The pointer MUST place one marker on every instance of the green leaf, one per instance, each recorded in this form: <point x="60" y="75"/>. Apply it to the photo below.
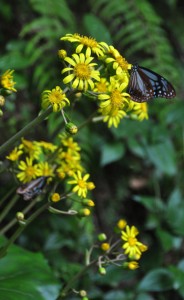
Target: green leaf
<point x="174" y="213"/>
<point x="97" y="29"/>
<point x="157" y="281"/>
<point x="153" y="204"/>
<point x="118" y="295"/>
<point x="111" y="153"/>
<point x="162" y="155"/>
<point x="166" y="239"/>
<point x="26" y="275"/>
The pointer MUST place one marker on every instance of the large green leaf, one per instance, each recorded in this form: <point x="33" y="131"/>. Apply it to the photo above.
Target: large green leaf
<point x="157" y="280"/>
<point x="112" y="152"/>
<point x="26" y="275"/>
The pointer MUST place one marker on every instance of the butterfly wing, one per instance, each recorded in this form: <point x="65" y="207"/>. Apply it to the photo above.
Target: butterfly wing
<point x="32" y="188"/>
<point x="145" y="84"/>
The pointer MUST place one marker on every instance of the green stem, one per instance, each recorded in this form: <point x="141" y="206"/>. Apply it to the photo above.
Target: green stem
<point x="8" y="207"/>
<point x="14" y="220"/>
<point x="24" y="130"/>
<point x="6" y="196"/>
<point x="74" y="278"/>
<point x="21" y="228"/>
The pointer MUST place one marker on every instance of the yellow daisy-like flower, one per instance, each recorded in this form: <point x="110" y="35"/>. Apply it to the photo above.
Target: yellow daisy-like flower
<point x="114" y="117"/>
<point x="89" y="43"/>
<point x="116" y="98"/>
<point x="81" y="72"/>
<point x="48" y="146"/>
<point x="131" y="245"/>
<point x="70" y="144"/>
<point x="14" y="154"/>
<point x="81" y="184"/>
<point x="45" y="169"/>
<point x="140" y="111"/>
<point x="101" y="86"/>
<point x="29" y="171"/>
<point x="32" y="148"/>
<point x="119" y="62"/>
<point x="6" y="81"/>
<point x="56" y="97"/>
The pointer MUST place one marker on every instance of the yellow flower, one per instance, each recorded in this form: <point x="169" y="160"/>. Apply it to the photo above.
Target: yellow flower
<point x="55" y="197"/>
<point x="45" y="169"/>
<point x="121" y="224"/>
<point x="28" y="170"/>
<point x="81" y="184"/>
<point x="140" y="111"/>
<point x="119" y="62"/>
<point x="14" y="154"/>
<point x="7" y="82"/>
<point x="56" y="97"/>
<point x="131" y="245"/>
<point x="31" y="147"/>
<point x="47" y="146"/>
<point x="81" y="72"/>
<point x="89" y="43"/>
<point x="115" y="98"/>
<point x="101" y="86"/>
<point x="113" y="117"/>
<point x="69" y="142"/>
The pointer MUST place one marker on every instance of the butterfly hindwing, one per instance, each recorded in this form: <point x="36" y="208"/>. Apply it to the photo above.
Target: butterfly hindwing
<point x="145" y="84"/>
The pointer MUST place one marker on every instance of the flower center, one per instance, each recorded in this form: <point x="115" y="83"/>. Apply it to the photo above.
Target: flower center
<point x="30" y="171"/>
<point x="132" y="241"/>
<point x="55" y="97"/>
<point x="116" y="99"/>
<point x="82" y="71"/>
<point x="81" y="183"/>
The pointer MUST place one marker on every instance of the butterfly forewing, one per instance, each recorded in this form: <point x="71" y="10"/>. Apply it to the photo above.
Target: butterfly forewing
<point x="33" y="188"/>
<point x="145" y="84"/>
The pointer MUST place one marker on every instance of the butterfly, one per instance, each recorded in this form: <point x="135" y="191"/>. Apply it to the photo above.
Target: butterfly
<point x="33" y="188"/>
<point x="145" y="84"/>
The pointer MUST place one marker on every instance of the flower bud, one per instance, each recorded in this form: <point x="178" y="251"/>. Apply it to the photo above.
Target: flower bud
<point x="102" y="237"/>
<point x="121" y="224"/>
<point x="84" y="212"/>
<point x="20" y="216"/>
<point x="55" y="197"/>
<point x="62" y="53"/>
<point x="82" y="293"/>
<point x="102" y="271"/>
<point x="105" y="246"/>
<point x="71" y="128"/>
<point x="2" y="100"/>
<point x="88" y="202"/>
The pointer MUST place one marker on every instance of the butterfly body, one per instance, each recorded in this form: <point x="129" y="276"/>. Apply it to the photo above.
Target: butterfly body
<point x="145" y="84"/>
<point x="32" y="188"/>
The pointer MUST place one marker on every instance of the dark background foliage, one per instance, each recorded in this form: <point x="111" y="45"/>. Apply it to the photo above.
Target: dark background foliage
<point x="137" y="168"/>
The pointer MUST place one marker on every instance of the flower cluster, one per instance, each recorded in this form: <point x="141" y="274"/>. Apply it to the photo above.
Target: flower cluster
<point x="59" y="163"/>
<point x="99" y="72"/>
<point x="115" y="252"/>
<point x="6" y="87"/>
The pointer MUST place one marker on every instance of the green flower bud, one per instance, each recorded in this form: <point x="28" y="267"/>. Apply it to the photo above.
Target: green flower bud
<point x="71" y="128"/>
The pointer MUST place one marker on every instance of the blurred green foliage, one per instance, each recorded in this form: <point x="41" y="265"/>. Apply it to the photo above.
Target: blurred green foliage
<point x="137" y="168"/>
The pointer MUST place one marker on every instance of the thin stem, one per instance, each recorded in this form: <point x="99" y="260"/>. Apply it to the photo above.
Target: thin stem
<point x="6" y="196"/>
<point x="24" y="130"/>
<point x="74" y="278"/>
<point x="22" y="228"/>
<point x="8" y="207"/>
<point x="14" y="220"/>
